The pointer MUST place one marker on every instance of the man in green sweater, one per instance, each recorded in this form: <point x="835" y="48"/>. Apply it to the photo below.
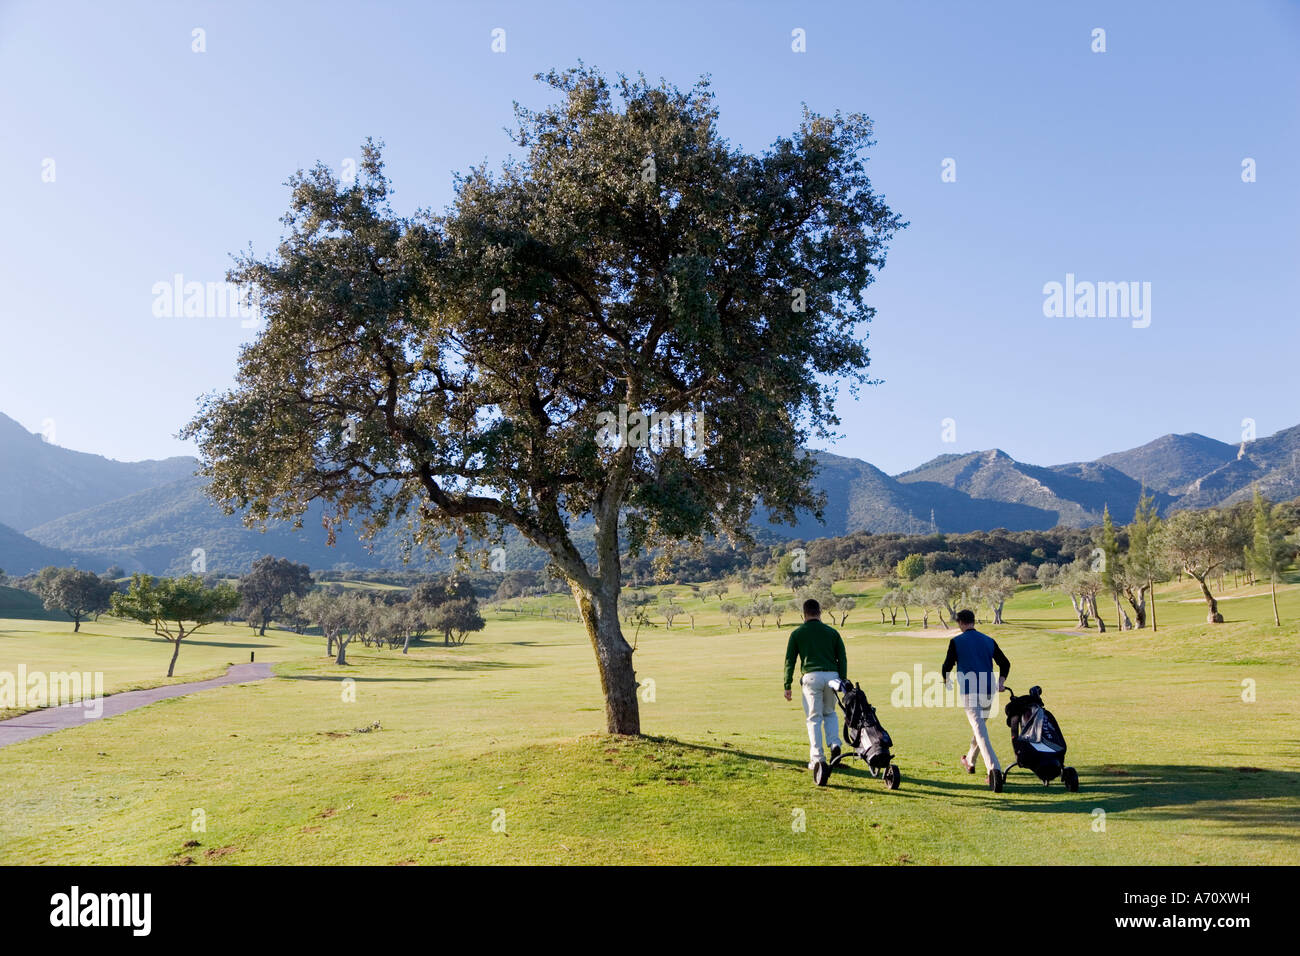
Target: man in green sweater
<point x="822" y="651"/>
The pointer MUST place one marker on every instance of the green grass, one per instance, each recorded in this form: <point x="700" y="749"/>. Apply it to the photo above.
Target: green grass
<point x="507" y="728"/>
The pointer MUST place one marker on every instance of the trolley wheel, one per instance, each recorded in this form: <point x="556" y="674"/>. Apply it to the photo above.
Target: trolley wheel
<point x="821" y="773"/>
<point x="996" y="780"/>
<point x="893" y="776"/>
<point x="1070" y="777"/>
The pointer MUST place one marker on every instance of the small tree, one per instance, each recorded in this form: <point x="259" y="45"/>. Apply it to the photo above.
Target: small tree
<point x="1269" y="552"/>
<point x="175" y="607"/>
<point x="670" y="612"/>
<point x="1142" y="566"/>
<point x="456" y="619"/>
<point x="911" y="567"/>
<point x="77" y="594"/>
<point x="943" y="591"/>
<point x="887" y="603"/>
<point x="1080" y="584"/>
<point x="1111" y="575"/>
<point x="995" y="586"/>
<point x="327" y="611"/>
<point x="844" y="605"/>
<point x="268" y="583"/>
<point x="1200" y="543"/>
<point x="746" y="614"/>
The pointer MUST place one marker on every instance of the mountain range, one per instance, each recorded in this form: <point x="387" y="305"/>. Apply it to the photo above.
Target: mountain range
<point x="59" y="506"/>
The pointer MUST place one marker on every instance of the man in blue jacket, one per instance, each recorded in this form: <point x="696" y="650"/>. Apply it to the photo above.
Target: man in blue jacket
<point x="974" y="653"/>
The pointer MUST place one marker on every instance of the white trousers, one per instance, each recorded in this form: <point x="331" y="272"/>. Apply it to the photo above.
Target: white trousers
<point x="819" y="711"/>
<point x="980" y="738"/>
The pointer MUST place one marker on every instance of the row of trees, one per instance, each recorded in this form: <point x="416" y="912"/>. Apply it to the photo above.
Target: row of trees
<point x="1119" y="565"/>
<point x="1125" y="564"/>
<point x="274" y="589"/>
<point x="444" y="606"/>
<point x="944" y="593"/>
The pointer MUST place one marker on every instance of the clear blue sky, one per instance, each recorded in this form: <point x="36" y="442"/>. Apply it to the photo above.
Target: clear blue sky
<point x="1115" y="166"/>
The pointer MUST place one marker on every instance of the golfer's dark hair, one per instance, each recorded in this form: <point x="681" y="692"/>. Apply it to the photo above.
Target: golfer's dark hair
<point x="811" y="608"/>
<point x="965" y="616"/>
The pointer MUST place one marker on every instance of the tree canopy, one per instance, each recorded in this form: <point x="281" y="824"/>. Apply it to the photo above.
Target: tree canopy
<point x="175" y="607"/>
<point x="453" y="370"/>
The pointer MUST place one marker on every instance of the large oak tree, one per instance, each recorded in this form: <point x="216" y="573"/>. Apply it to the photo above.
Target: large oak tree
<point x="448" y="370"/>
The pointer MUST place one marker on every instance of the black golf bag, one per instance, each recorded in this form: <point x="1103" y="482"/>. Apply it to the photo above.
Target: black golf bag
<point x="862" y="729"/>
<point x="1037" y="740"/>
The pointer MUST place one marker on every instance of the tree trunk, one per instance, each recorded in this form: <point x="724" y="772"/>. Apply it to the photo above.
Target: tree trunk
<point x="599" y="614"/>
<point x="176" y="649"/>
<point x="1272" y="586"/>
<point x="906" y="616"/>
<point x="997" y="613"/>
<point x="1092" y="606"/>
<point x="1080" y="610"/>
<point x="329" y="645"/>
<point x="1139" y="604"/>
<point x="406" y="644"/>
<point x="1213" y="617"/>
<point x="76" y="625"/>
<point x="343" y="651"/>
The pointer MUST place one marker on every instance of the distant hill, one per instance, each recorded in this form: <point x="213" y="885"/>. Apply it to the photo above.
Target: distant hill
<point x="40" y="482"/>
<point x="861" y="497"/>
<point x="1272" y="462"/>
<point x="20" y="555"/>
<point x="1073" y="495"/>
<point x="158" y="530"/>
<point x="1172" y="462"/>
<point x="151" y="516"/>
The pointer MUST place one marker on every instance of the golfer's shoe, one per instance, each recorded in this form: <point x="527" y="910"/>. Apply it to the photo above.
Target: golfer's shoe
<point x="967" y="764"/>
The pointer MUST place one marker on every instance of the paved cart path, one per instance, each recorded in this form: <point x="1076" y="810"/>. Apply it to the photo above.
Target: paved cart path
<point x="49" y="719"/>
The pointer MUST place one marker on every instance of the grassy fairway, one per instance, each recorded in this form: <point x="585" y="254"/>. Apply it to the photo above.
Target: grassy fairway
<point x="504" y="729"/>
<point x="129" y="656"/>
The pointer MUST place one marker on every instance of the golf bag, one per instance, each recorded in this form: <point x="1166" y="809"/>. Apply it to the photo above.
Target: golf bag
<point x="1037" y="740"/>
<point x="862" y="729"/>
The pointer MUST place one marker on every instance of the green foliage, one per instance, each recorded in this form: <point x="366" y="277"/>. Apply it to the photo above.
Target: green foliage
<point x="911" y="567"/>
<point x="456" y="619"/>
<point x="77" y="594"/>
<point x="264" y="588"/>
<point x="1269" y="553"/>
<point x="175" y="607"/>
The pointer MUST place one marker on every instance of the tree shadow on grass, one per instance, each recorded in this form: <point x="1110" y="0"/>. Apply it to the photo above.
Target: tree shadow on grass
<point x="346" y="671"/>
<point x="1264" y="802"/>
<point x="851" y="767"/>
<point x="188" y="642"/>
<point x="342" y="676"/>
